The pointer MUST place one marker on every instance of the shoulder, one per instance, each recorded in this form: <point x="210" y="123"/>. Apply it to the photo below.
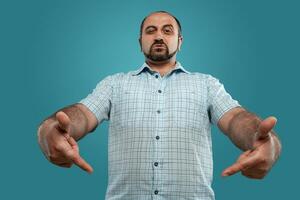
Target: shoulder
<point x="123" y="75"/>
<point x="205" y="78"/>
<point x="118" y="78"/>
<point x="112" y="78"/>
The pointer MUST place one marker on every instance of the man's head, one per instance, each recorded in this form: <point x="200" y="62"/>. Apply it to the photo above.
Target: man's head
<point x="160" y="36"/>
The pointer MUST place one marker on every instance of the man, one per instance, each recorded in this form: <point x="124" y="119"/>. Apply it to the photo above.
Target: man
<point x="160" y="125"/>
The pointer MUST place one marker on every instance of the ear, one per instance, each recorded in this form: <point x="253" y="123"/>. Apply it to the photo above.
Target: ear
<point x="140" y="42"/>
<point x="180" y="40"/>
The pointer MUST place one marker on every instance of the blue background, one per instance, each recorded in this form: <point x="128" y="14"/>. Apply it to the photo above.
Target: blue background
<point x="53" y="53"/>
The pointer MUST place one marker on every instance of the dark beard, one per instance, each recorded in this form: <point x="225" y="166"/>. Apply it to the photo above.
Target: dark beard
<point x="160" y="57"/>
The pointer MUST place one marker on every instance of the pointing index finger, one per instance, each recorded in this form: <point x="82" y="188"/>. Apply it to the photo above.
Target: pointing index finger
<point x="80" y="162"/>
<point x="240" y="165"/>
<point x="77" y="159"/>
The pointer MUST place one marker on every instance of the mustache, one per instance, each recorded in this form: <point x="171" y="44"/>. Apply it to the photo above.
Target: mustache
<point x="158" y="42"/>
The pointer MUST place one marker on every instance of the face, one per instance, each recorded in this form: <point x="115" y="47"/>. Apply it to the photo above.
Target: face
<point x="160" y="40"/>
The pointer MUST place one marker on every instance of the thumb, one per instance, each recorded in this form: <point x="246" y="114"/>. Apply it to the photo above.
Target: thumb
<point x="265" y="127"/>
<point x="63" y="121"/>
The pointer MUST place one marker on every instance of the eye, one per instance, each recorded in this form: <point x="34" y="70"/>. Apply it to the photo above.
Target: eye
<point x="168" y="31"/>
<point x="150" y="30"/>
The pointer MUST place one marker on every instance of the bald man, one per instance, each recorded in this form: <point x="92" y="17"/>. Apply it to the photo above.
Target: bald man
<point x="160" y="125"/>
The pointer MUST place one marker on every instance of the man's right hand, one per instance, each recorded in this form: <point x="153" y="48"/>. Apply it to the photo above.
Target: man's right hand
<point x="57" y="144"/>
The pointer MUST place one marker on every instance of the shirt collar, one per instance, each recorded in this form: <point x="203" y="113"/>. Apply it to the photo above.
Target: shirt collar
<point x="145" y="66"/>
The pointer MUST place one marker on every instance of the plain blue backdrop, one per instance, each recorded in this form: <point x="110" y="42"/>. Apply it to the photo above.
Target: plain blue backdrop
<point x="53" y="53"/>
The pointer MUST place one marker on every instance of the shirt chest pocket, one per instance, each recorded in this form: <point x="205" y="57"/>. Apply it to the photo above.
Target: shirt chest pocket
<point x="187" y="108"/>
<point x="134" y="107"/>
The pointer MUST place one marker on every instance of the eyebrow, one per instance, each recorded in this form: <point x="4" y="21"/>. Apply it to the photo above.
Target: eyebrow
<point x="166" y="25"/>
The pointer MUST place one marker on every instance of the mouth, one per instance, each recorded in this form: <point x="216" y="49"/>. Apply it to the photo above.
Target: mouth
<point x="159" y="46"/>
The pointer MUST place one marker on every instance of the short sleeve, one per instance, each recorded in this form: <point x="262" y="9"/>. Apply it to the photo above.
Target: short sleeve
<point x="99" y="101"/>
<point x="219" y="101"/>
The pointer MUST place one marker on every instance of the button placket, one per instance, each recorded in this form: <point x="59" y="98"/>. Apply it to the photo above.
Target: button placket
<point x="157" y="144"/>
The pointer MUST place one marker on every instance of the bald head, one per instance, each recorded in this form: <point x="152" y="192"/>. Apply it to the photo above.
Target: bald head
<point x="164" y="12"/>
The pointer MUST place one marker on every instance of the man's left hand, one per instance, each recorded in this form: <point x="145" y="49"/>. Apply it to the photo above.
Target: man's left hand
<point x="257" y="162"/>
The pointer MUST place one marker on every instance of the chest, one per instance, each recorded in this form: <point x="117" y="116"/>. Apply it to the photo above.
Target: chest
<point x="178" y="100"/>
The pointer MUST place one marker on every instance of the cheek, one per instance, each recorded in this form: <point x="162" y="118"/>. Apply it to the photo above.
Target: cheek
<point x="146" y="45"/>
<point x="173" y="44"/>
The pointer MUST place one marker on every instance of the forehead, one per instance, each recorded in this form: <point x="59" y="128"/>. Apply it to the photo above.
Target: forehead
<point x="159" y="19"/>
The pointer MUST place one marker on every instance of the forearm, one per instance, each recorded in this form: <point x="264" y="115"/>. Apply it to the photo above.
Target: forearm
<point x="78" y="119"/>
<point x="242" y="131"/>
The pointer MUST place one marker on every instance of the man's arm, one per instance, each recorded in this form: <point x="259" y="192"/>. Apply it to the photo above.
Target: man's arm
<point x="57" y="135"/>
<point x="254" y="136"/>
<point x="82" y="119"/>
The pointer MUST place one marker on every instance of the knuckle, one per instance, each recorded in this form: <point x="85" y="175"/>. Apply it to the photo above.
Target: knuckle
<point x="52" y="158"/>
<point x="243" y="166"/>
<point x="69" y="154"/>
<point x="246" y="174"/>
<point x="253" y="176"/>
<point x="263" y="170"/>
<point x="66" y="165"/>
<point x="261" y="160"/>
<point x="58" y="147"/>
<point x="257" y="174"/>
<point x="264" y="160"/>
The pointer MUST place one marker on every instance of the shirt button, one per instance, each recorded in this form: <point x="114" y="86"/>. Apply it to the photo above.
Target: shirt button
<point x="156" y="192"/>
<point x="158" y="111"/>
<point x="159" y="91"/>
<point x="156" y="76"/>
<point x="157" y="137"/>
<point x="156" y="164"/>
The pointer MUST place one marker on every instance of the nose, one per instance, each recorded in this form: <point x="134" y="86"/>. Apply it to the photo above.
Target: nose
<point x="158" y="40"/>
<point x="158" y="36"/>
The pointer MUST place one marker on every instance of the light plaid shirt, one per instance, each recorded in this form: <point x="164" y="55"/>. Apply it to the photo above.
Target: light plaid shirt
<point x="159" y="132"/>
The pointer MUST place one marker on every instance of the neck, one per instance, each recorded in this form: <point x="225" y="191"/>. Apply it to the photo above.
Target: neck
<point x="162" y="67"/>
